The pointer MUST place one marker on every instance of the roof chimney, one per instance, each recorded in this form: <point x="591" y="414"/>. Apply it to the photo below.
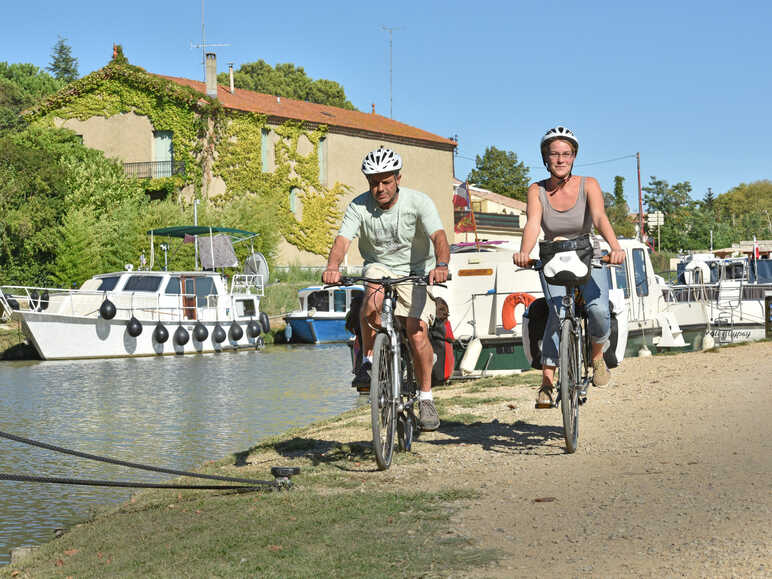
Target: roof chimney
<point x="211" y="74"/>
<point x="230" y="76"/>
<point x="373" y="108"/>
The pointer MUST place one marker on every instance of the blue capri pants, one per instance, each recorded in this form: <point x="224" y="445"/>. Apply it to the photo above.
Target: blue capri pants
<point x="595" y="293"/>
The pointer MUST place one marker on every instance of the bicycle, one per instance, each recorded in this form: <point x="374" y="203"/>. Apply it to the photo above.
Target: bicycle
<point x="393" y="387"/>
<point x="574" y="358"/>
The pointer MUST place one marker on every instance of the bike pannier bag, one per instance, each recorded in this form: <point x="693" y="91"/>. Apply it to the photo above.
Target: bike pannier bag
<point x="568" y="261"/>
<point x="534" y="322"/>
<point x="441" y="338"/>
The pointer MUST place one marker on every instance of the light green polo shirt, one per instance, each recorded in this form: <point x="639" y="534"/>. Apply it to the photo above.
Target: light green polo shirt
<point x="398" y="237"/>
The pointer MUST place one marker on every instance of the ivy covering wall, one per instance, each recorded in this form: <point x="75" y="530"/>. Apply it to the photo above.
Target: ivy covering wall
<point x="213" y="141"/>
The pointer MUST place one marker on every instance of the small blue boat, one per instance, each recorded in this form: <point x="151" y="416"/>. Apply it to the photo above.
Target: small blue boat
<point x="322" y="315"/>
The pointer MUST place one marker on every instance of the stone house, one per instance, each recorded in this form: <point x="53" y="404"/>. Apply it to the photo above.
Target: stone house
<point x="214" y="142"/>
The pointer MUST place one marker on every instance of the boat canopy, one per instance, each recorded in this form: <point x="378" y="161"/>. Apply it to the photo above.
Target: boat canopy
<point x="183" y="230"/>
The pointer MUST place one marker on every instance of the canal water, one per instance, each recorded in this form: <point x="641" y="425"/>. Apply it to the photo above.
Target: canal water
<point x="172" y="412"/>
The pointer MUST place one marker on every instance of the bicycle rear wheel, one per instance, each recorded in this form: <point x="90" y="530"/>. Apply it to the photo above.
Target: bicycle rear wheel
<point x="383" y="406"/>
<point x="568" y="380"/>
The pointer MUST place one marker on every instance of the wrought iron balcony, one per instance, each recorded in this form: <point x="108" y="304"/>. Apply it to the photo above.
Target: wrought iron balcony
<point x="154" y="169"/>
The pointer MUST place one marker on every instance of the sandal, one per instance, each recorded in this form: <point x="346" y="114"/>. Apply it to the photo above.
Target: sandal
<point x="544" y="397"/>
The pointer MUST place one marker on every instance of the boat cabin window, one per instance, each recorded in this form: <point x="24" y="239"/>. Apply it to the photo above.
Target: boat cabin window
<point x="639" y="270"/>
<point x="143" y="283"/>
<point x="620" y="274"/>
<point x="108" y="283"/>
<point x="173" y="287"/>
<point x="735" y="270"/>
<point x="204" y="286"/>
<point x="339" y="300"/>
<point x="245" y="308"/>
<point x="320" y="301"/>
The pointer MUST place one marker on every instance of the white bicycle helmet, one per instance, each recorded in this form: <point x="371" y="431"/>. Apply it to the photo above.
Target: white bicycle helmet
<point x="382" y="160"/>
<point x="559" y="132"/>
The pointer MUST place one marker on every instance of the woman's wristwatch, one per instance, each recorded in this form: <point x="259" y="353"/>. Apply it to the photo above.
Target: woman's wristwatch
<point x="442" y="264"/>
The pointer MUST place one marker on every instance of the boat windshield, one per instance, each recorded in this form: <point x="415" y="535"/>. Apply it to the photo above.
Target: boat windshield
<point x="108" y="283"/>
<point x="143" y="283"/>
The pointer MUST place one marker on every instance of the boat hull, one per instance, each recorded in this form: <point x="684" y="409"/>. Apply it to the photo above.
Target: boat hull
<point x="57" y="337"/>
<point x="318" y="330"/>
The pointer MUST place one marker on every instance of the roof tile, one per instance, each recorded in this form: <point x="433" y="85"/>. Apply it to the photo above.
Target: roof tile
<point x="285" y="108"/>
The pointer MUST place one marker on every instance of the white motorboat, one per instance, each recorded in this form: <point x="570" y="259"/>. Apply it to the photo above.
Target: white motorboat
<point x="483" y="277"/>
<point x="731" y="290"/>
<point x="146" y="312"/>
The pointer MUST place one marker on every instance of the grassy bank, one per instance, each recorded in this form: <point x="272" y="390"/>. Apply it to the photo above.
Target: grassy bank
<point x="341" y="518"/>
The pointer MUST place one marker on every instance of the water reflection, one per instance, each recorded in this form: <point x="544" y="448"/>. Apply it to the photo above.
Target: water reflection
<point x="174" y="412"/>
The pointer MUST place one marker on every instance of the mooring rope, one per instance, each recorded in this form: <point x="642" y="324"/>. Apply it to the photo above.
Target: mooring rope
<point x="127" y="464"/>
<point x="107" y="483"/>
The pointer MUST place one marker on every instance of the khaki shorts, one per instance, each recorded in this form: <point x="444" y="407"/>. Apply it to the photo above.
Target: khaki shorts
<point x="413" y="301"/>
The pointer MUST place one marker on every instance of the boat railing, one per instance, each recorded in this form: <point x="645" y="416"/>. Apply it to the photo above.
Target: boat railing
<point x="87" y="303"/>
<point x="245" y="283"/>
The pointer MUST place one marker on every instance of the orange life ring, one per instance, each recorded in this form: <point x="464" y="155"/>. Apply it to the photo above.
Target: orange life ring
<point x="510" y="303"/>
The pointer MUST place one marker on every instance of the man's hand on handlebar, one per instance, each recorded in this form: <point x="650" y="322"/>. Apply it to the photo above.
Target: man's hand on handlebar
<point x="438" y="275"/>
<point x="331" y="276"/>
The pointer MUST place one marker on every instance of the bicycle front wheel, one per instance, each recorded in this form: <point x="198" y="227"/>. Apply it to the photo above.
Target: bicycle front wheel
<point x="383" y="406"/>
<point x="568" y="379"/>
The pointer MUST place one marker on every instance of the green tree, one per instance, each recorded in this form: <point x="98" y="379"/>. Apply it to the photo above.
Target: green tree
<point x="679" y="210"/>
<point x="748" y="208"/>
<point x="500" y="171"/>
<point x="289" y="81"/>
<point x="618" y="211"/>
<point x="21" y="86"/>
<point x="63" y="65"/>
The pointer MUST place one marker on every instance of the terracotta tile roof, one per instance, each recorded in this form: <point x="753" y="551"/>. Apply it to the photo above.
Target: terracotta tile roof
<point x="494" y="197"/>
<point x="281" y="108"/>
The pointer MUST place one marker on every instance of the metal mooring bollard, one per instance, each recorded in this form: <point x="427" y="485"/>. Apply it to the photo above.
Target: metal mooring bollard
<point x="282" y="474"/>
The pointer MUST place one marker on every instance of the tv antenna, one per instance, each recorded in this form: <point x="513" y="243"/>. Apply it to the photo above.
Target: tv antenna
<point x="204" y="44"/>
<point x="390" y="29"/>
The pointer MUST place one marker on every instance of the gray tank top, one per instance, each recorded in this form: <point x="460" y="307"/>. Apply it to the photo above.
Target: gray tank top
<point x="569" y="223"/>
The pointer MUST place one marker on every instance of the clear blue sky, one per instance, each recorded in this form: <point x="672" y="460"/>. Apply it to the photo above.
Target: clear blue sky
<point x="687" y="84"/>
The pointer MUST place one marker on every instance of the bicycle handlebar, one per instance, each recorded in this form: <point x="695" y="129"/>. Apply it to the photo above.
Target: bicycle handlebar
<point x="536" y="264"/>
<point x="386" y="281"/>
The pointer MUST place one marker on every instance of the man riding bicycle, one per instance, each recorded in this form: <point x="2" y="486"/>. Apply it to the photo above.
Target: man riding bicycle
<point x="565" y="206"/>
<point x="400" y="233"/>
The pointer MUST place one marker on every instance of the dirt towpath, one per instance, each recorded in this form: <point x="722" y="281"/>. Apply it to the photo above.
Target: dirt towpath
<point x="673" y="475"/>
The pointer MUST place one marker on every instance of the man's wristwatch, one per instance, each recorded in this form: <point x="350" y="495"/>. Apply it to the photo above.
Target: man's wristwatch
<point x="442" y="264"/>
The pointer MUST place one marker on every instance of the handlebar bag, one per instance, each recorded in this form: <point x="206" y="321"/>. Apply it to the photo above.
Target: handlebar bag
<point x="567" y="261"/>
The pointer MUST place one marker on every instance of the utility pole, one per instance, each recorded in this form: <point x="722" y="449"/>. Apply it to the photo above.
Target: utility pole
<point x="390" y="30"/>
<point x="640" y="199"/>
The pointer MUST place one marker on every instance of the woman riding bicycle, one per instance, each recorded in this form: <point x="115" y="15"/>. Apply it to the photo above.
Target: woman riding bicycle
<point x="566" y="206"/>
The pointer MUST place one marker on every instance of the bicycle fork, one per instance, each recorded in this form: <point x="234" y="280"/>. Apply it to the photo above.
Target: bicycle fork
<point x="387" y="315"/>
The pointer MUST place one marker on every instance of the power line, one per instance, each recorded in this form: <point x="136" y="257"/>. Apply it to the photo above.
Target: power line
<point x="606" y="161"/>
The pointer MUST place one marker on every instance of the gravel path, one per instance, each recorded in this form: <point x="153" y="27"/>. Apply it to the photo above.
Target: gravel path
<point x="672" y="475"/>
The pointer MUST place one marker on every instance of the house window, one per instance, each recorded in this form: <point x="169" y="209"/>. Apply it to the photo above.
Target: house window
<point x="323" y="161"/>
<point x="265" y="149"/>
<point x="639" y="270"/>
<point x="163" y="154"/>
<point x="295" y="203"/>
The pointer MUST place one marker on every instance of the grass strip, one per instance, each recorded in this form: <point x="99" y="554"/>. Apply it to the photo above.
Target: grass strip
<point x="296" y="533"/>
